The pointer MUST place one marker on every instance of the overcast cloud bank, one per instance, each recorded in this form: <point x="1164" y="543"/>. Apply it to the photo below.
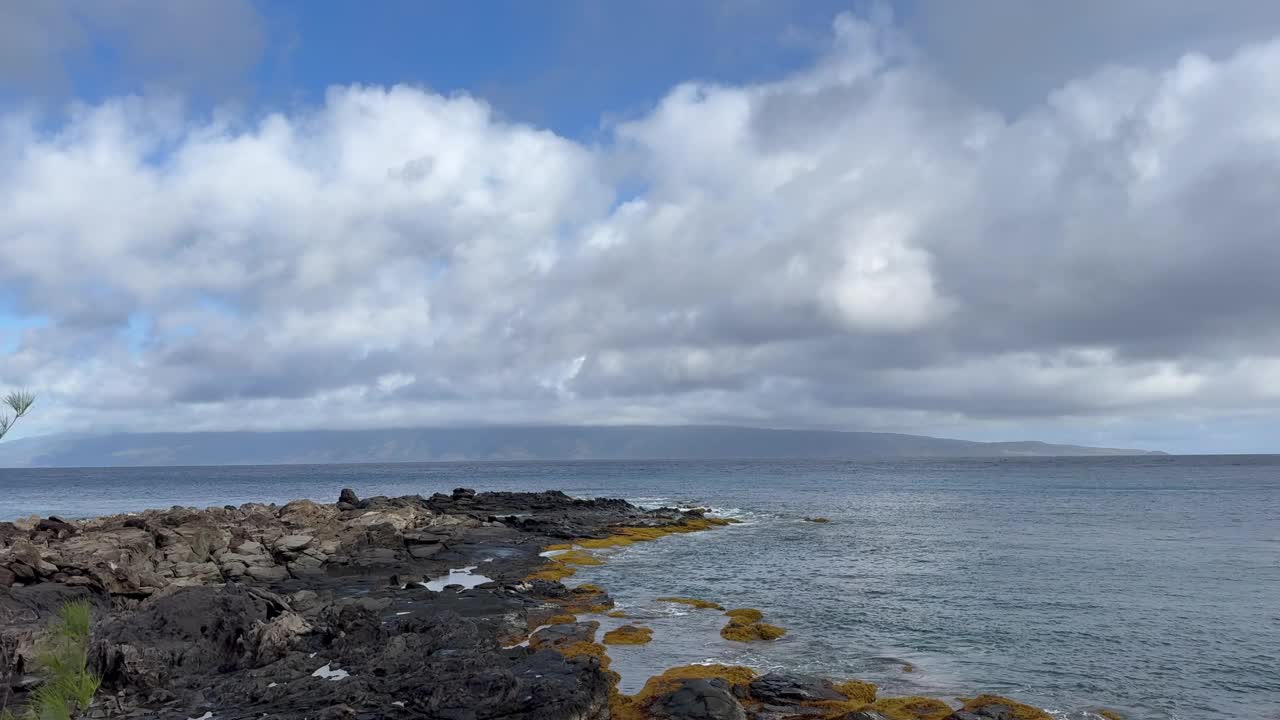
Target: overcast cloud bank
<point x="860" y="245"/>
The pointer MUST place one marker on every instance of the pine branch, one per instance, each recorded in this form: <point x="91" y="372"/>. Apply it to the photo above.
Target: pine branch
<point x="20" y="401"/>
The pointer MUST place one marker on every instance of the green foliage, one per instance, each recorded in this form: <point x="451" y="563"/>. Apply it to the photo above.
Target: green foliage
<point x="66" y="686"/>
<point x="20" y="402"/>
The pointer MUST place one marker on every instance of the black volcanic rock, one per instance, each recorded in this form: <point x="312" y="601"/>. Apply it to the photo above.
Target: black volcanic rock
<point x="781" y="688"/>
<point x="699" y="699"/>
<point x="265" y="611"/>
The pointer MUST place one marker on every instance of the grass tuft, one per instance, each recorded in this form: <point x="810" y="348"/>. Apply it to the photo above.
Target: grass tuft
<point x="62" y="657"/>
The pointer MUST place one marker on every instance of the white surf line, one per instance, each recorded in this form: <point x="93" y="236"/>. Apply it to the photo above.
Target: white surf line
<point x="525" y="642"/>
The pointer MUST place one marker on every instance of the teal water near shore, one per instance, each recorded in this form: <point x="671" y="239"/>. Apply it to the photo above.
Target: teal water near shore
<point x="1148" y="585"/>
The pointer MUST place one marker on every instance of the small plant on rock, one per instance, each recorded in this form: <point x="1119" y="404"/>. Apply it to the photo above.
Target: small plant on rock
<point x="66" y="685"/>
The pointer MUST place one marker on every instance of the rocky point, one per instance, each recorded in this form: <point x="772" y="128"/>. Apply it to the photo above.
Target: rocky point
<point x="441" y="607"/>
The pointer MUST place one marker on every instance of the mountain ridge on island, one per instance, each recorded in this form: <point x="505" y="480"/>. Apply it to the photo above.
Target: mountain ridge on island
<point x="507" y="443"/>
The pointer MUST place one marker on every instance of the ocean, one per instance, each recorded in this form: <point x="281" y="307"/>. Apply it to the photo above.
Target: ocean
<point x="1146" y="585"/>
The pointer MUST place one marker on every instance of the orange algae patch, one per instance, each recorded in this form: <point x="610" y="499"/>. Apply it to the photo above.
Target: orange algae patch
<point x="577" y="557"/>
<point x="558" y="546"/>
<point x="618" y="614"/>
<point x="562" y="619"/>
<point x="694" y="602"/>
<point x="1110" y="714"/>
<point x="747" y="614"/>
<point x="628" y="635"/>
<point x="911" y="708"/>
<point x="863" y="692"/>
<point x="1021" y="711"/>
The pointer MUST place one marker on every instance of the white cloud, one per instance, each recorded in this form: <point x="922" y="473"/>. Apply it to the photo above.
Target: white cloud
<point x="856" y="245"/>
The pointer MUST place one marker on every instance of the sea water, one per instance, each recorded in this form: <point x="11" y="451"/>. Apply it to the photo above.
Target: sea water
<point x="1148" y="585"/>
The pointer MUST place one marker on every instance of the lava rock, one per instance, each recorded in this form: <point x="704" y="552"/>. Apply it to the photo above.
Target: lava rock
<point x="783" y="689"/>
<point x="699" y="699"/>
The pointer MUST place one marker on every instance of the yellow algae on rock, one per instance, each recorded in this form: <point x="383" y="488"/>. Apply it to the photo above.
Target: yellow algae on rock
<point x="553" y="571"/>
<point x="618" y="614"/>
<point x="746" y="631"/>
<point x="911" y="708"/>
<point x="579" y="649"/>
<point x="1110" y="714"/>
<point x="577" y="557"/>
<point x="857" y="690"/>
<point x="664" y="683"/>
<point x="693" y="602"/>
<point x="635" y="707"/>
<point x="558" y="546"/>
<point x="586" y="598"/>
<point x="623" y="536"/>
<point x="747" y="614"/>
<point x="628" y="635"/>
<point x="607" y="542"/>
<point x="562" y="619"/>
<point x="1020" y="711"/>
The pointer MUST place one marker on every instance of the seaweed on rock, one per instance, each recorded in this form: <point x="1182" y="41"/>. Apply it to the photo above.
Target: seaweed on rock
<point x="628" y="635"/>
<point x="911" y="707"/>
<point x="1016" y="710"/>
<point x="692" y="602"/>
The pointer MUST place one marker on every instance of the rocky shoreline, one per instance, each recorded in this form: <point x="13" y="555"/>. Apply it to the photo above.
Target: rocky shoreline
<point x="452" y="607"/>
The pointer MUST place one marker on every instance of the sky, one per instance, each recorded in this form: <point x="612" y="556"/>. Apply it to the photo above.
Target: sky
<point x="990" y="220"/>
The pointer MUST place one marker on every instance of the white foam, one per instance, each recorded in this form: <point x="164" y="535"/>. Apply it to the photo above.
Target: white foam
<point x="459" y="576"/>
<point x="206" y="716"/>
<point x="525" y="642"/>
<point x="273" y="685"/>
<point x="551" y="553"/>
<point x="406" y="612"/>
<point x="398" y="703"/>
<point x="328" y="674"/>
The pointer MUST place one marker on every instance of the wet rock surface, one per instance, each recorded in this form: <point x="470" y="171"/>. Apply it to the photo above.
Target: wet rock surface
<point x="779" y="688"/>
<point x="310" y="610"/>
<point x="700" y="699"/>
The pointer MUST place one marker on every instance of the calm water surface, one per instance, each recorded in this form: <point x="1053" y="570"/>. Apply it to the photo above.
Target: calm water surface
<point x="1146" y="585"/>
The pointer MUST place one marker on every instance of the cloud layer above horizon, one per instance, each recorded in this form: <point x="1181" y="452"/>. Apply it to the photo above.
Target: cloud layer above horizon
<point x="861" y="245"/>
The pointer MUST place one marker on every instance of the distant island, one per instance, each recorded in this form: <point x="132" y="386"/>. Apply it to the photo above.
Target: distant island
<point x="632" y="442"/>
